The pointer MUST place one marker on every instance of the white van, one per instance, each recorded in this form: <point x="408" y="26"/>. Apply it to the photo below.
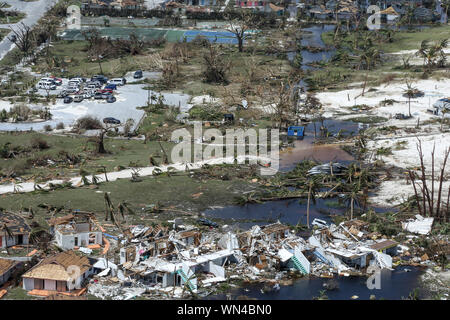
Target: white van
<point x="117" y="81"/>
<point x="75" y="84"/>
<point x="47" y="80"/>
<point x="47" y="85"/>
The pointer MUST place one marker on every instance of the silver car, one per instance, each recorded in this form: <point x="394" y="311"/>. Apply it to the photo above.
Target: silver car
<point x="78" y="98"/>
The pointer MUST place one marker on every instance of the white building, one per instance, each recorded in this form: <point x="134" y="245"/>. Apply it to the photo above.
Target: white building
<point x="63" y="272"/>
<point x="76" y="231"/>
<point x="13" y="230"/>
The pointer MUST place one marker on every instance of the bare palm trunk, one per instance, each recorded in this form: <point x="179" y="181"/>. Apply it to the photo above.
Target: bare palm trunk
<point x="307" y="207"/>
<point x="351" y="208"/>
<point x="409" y="106"/>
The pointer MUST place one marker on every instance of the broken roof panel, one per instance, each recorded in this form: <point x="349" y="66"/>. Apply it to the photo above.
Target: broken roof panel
<point x="15" y="224"/>
<point x="384" y="245"/>
<point x="5" y="265"/>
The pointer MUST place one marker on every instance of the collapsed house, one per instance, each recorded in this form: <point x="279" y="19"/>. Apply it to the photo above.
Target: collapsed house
<point x="75" y="230"/>
<point x="58" y="272"/>
<point x="13" y="230"/>
<point x="171" y="263"/>
<point x="7" y="267"/>
<point x="173" y="259"/>
<point x="273" y="247"/>
<point x="348" y="248"/>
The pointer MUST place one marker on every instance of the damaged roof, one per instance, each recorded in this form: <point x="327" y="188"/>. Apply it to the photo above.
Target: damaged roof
<point x="5" y="265"/>
<point x="384" y="245"/>
<point x="55" y="267"/>
<point x="15" y="223"/>
<point x="276" y="227"/>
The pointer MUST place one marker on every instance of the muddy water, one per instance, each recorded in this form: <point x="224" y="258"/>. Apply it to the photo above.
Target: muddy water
<point x="287" y="211"/>
<point x="305" y="149"/>
<point x="394" y="285"/>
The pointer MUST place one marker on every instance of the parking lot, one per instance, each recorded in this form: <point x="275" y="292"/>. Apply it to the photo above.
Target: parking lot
<point x="129" y="97"/>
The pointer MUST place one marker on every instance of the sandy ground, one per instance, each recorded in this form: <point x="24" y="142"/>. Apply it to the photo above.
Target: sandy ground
<point x="338" y="105"/>
<point x="411" y="54"/>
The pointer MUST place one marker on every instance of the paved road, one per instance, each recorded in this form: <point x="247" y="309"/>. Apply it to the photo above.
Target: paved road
<point x="33" y="10"/>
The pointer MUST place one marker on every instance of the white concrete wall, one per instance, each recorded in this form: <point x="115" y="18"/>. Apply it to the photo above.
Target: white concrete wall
<point x="28" y="284"/>
<point x="50" y="285"/>
<point x="8" y="241"/>
<point x="67" y="241"/>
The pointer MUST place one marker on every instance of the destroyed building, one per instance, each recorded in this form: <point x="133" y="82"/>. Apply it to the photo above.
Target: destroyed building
<point x="7" y="267"/>
<point x="75" y="230"/>
<point x="13" y="230"/>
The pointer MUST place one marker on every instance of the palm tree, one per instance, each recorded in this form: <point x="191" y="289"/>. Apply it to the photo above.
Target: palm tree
<point x="432" y="53"/>
<point x="353" y="198"/>
<point x="351" y="172"/>
<point x="313" y="186"/>
<point x="8" y="234"/>
<point x="368" y="58"/>
<point x="410" y="92"/>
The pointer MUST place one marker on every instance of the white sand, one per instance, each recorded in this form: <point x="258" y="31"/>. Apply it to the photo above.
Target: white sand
<point x="395" y="191"/>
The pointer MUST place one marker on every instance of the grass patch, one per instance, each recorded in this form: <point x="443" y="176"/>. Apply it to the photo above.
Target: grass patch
<point x="121" y="153"/>
<point x="11" y="17"/>
<point x="176" y="190"/>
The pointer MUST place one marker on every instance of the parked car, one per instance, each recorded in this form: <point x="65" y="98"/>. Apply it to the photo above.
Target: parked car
<point x="88" y="95"/>
<point x="100" y="78"/>
<point x="105" y="91"/>
<point x="79" y="79"/>
<point x="138" y="74"/>
<point x="111" y="99"/>
<point x="48" y="80"/>
<point x="117" y="81"/>
<point x="111" y="86"/>
<point x="98" y="95"/>
<point x="93" y="85"/>
<point x="47" y="85"/>
<point x="68" y="99"/>
<point x="78" y="98"/>
<point x="111" y="120"/>
<point x="72" y="90"/>
<point x="57" y="81"/>
<point x="106" y="95"/>
<point x="74" y="84"/>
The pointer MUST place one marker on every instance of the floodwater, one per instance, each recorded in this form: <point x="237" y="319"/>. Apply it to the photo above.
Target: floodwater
<point x="291" y="211"/>
<point x="311" y="37"/>
<point x="305" y="149"/>
<point x="394" y="285"/>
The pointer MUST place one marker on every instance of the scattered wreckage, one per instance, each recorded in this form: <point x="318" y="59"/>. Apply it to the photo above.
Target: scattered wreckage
<point x="169" y="264"/>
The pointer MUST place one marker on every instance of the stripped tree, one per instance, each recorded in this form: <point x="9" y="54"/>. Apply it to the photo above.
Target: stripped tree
<point x="429" y="202"/>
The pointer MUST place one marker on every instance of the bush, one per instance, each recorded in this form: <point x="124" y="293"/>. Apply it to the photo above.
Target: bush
<point x="48" y="128"/>
<point x="39" y="143"/>
<point x="205" y="113"/>
<point x="88" y="123"/>
<point x="60" y="126"/>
